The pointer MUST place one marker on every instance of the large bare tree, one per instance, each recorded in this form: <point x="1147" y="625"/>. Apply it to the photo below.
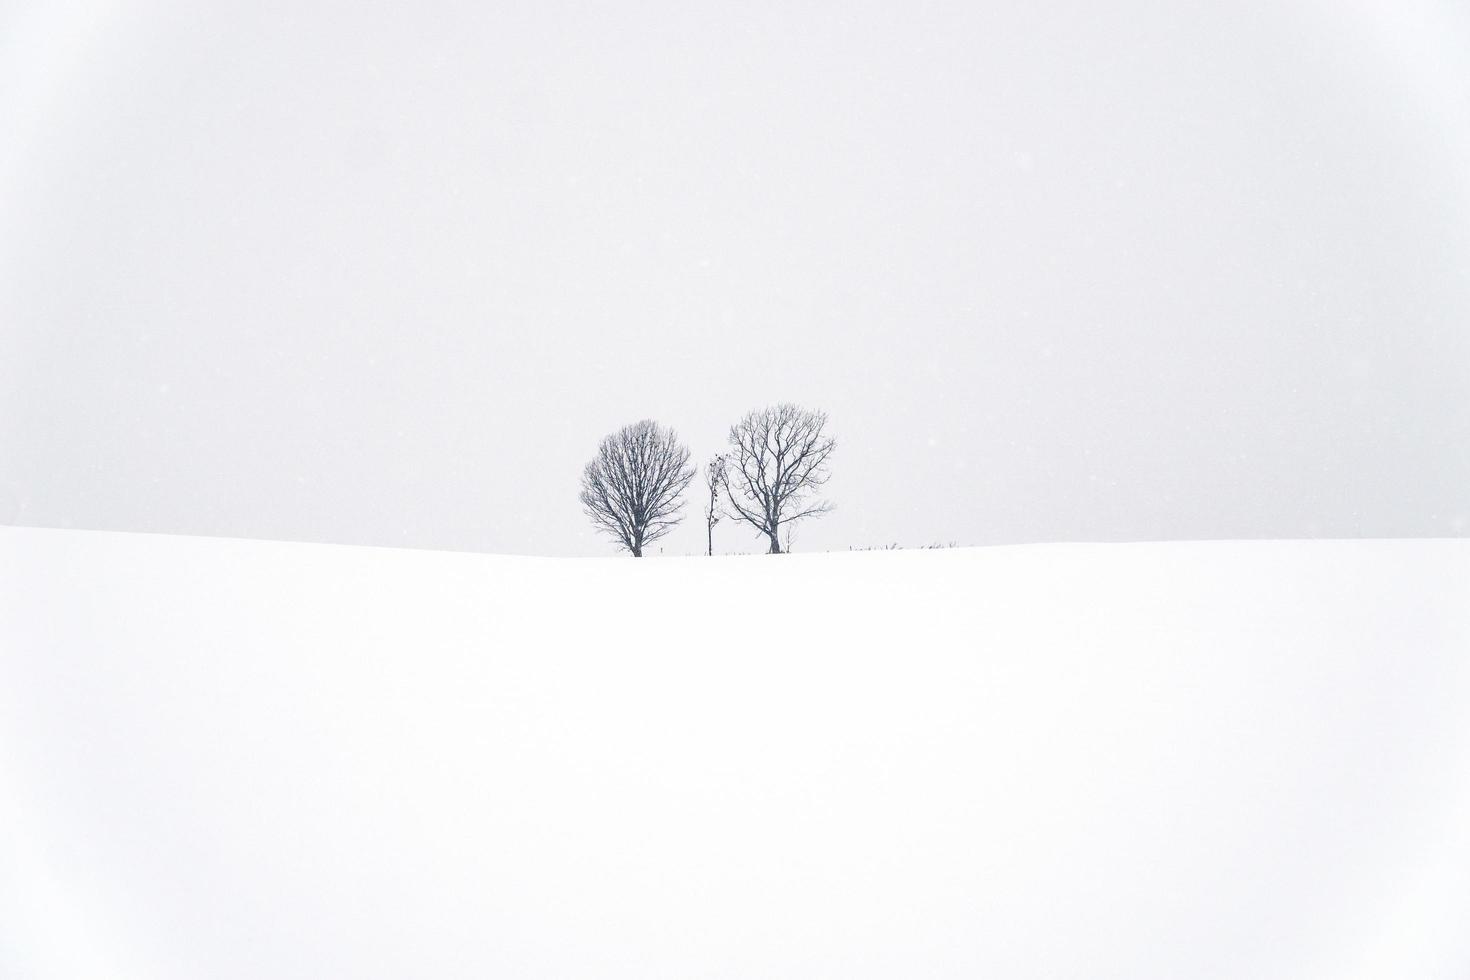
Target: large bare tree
<point x="631" y="488"/>
<point x="777" y="464"/>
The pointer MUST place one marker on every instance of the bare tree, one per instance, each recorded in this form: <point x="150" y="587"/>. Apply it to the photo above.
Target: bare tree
<point x="631" y="488"/>
<point x="714" y="482"/>
<point x="777" y="464"/>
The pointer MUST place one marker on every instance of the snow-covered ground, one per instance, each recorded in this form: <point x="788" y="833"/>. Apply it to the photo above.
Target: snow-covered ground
<point x="228" y="759"/>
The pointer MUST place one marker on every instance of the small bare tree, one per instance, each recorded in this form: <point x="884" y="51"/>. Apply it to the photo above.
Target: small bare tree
<point x="631" y="488"/>
<point x="777" y="463"/>
<point x="714" y="483"/>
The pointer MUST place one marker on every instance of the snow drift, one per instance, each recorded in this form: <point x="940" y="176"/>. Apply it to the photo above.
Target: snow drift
<point x="227" y="759"/>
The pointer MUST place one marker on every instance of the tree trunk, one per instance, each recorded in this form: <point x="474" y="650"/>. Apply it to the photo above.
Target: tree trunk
<point x="775" y="543"/>
<point x="637" y="550"/>
<point x="710" y="529"/>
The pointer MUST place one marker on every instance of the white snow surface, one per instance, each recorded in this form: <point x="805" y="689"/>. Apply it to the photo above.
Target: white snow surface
<point x="224" y="758"/>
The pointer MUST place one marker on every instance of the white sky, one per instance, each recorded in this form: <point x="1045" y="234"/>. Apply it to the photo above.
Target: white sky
<point x="385" y="275"/>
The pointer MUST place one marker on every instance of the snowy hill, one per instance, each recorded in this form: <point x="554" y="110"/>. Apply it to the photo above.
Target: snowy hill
<point x="226" y="759"/>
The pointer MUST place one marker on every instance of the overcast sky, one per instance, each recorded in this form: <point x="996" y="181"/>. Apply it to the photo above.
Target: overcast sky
<point x="385" y="274"/>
